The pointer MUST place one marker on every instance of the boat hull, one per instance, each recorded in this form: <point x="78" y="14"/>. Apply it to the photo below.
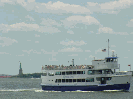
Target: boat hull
<point x="88" y="88"/>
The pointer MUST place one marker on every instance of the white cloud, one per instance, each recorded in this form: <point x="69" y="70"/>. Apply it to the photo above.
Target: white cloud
<point x="87" y="51"/>
<point x="70" y="32"/>
<point x="21" y="55"/>
<point x="53" y="53"/>
<point x="36" y="41"/>
<point x="37" y="35"/>
<point x="50" y="22"/>
<point x="131" y="33"/>
<point x="33" y="51"/>
<point x="4" y="53"/>
<point x="73" y="20"/>
<point x="112" y="7"/>
<point x="7" y="41"/>
<point x="30" y="18"/>
<point x="27" y="27"/>
<point x="73" y="49"/>
<point x="99" y="50"/>
<point x="85" y="58"/>
<point x="91" y="56"/>
<point x="130" y="23"/>
<point x="110" y="31"/>
<point x="73" y="55"/>
<point x="125" y="57"/>
<point x="77" y="43"/>
<point x="50" y="7"/>
<point x="129" y="41"/>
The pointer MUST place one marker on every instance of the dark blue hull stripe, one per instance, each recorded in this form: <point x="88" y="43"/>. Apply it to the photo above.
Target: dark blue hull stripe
<point x="88" y="88"/>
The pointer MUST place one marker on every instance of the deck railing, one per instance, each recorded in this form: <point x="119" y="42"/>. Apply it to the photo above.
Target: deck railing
<point x="52" y="67"/>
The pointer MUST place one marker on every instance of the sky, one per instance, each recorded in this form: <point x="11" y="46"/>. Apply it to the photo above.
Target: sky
<point x="52" y="32"/>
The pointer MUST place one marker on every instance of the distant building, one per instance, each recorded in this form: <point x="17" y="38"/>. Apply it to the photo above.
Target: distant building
<point x="20" y="70"/>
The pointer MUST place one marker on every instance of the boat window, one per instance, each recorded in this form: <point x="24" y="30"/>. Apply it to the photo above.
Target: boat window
<point x="66" y="80"/>
<point x="69" y="73"/>
<point x="90" y="80"/>
<point x="51" y="74"/>
<point x="83" y="80"/>
<point x="63" y="80"/>
<point x="56" y="81"/>
<point x="98" y="71"/>
<point x="83" y="72"/>
<point x="98" y="78"/>
<point x="70" y="80"/>
<point x="59" y="80"/>
<point x="112" y="60"/>
<point x="90" y="72"/>
<point x="63" y="73"/>
<point x="44" y="74"/>
<point x="57" y="73"/>
<point x="78" y="72"/>
<point x="78" y="80"/>
<point x="109" y="78"/>
<point x="74" y="72"/>
<point x="109" y="60"/>
<point x="74" y="80"/>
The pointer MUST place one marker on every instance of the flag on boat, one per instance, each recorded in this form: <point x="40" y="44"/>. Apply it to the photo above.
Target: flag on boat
<point x="129" y="65"/>
<point x="104" y="50"/>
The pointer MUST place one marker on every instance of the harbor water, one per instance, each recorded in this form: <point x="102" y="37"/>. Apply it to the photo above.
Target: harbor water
<point x="25" y="88"/>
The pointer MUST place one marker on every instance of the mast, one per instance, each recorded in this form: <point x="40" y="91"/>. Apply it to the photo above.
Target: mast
<point x="108" y="47"/>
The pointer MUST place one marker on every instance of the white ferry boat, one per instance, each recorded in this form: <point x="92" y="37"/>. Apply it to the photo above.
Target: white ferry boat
<point x="99" y="76"/>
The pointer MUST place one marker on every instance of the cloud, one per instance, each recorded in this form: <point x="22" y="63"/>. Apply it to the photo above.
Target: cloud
<point x="50" y="7"/>
<point x="125" y="57"/>
<point x="130" y="23"/>
<point x="77" y="43"/>
<point x="87" y="51"/>
<point x="112" y="7"/>
<point x="30" y="18"/>
<point x="73" y="49"/>
<point x="91" y="56"/>
<point x="53" y="53"/>
<point x="70" y="32"/>
<point x="7" y="41"/>
<point x="50" y="22"/>
<point x="27" y="27"/>
<point x="33" y="51"/>
<point x="110" y="31"/>
<point x="73" y="55"/>
<point x="36" y="41"/>
<point x="129" y="41"/>
<point x="4" y="53"/>
<point x="37" y="35"/>
<point x="73" y="20"/>
<point x="21" y="55"/>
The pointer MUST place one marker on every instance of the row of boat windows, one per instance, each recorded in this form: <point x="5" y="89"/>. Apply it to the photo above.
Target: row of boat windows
<point x="69" y="72"/>
<point x="90" y="72"/>
<point x="111" y="59"/>
<point x="74" y="80"/>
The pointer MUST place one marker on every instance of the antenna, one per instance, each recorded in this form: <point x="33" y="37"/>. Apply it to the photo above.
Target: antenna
<point x="108" y="47"/>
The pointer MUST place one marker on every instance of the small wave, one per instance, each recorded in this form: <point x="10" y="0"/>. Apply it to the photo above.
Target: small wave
<point x="18" y="90"/>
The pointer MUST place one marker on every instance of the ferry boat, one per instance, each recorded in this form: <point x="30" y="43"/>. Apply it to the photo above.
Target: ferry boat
<point x="99" y="76"/>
